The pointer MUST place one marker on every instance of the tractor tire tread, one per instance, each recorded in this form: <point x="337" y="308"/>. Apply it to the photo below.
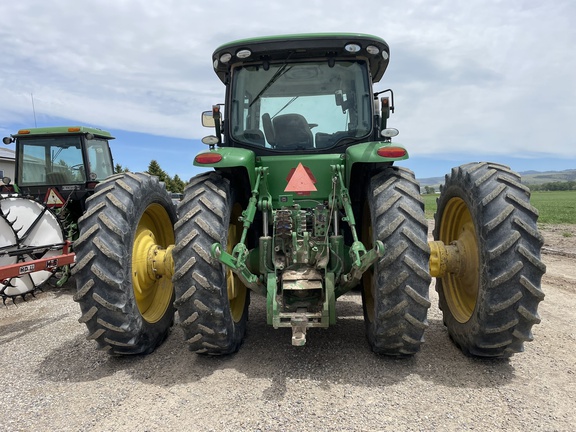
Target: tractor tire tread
<point x="200" y="282"/>
<point x="103" y="250"/>
<point x="511" y="268"/>
<point x="402" y="278"/>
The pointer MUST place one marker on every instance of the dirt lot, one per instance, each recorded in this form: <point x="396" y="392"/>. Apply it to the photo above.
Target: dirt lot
<point x="54" y="379"/>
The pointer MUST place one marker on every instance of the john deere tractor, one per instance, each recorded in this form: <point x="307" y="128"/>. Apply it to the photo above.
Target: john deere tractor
<point x="56" y="169"/>
<point x="303" y="203"/>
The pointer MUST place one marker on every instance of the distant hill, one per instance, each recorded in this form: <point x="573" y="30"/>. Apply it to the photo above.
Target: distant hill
<point x="431" y="181"/>
<point x="535" y="177"/>
<point x="528" y="177"/>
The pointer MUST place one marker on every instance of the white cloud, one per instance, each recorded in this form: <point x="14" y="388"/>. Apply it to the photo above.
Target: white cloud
<point x="478" y="76"/>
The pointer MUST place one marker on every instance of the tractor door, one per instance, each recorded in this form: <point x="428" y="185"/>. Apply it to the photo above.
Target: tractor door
<point x="99" y="159"/>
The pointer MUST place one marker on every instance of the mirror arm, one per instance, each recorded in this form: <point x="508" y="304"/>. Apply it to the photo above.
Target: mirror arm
<point x="217" y="124"/>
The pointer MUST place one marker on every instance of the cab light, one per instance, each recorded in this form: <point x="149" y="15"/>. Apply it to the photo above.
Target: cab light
<point x="352" y="48"/>
<point x="226" y="57"/>
<point x="388" y="132"/>
<point x="73" y="129"/>
<point x="391" y="152"/>
<point x="208" y="158"/>
<point x="210" y="140"/>
<point x="371" y="49"/>
<point x="23" y="132"/>
<point x="242" y="54"/>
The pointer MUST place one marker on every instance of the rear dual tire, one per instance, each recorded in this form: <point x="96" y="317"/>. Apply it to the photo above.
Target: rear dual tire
<point x="395" y="289"/>
<point x="212" y="303"/>
<point x="126" y="309"/>
<point x="491" y="306"/>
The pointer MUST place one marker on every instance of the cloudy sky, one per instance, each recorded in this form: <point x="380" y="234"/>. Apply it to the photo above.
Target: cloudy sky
<point x="472" y="79"/>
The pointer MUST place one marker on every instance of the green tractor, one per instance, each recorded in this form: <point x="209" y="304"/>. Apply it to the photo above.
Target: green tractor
<point x="57" y="168"/>
<point x="303" y="204"/>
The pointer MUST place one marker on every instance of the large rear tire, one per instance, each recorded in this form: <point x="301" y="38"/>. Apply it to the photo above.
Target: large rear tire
<point x="395" y="289"/>
<point x="212" y="303"/>
<point x="126" y="306"/>
<point x="490" y="306"/>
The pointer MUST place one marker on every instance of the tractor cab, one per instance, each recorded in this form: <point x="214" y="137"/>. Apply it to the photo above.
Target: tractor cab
<point x="57" y="168"/>
<point x="59" y="164"/>
<point x="300" y="94"/>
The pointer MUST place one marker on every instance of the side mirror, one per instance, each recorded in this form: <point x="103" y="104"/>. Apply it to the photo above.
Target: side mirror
<point x="7" y="140"/>
<point x="213" y="119"/>
<point x="208" y="119"/>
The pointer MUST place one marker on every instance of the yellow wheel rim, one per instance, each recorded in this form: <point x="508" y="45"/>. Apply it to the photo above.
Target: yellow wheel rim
<point x="461" y="288"/>
<point x="152" y="290"/>
<point x="368" y="276"/>
<point x="236" y="289"/>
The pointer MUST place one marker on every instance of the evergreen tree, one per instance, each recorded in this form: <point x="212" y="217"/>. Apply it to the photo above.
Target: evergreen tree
<point x="178" y="184"/>
<point x="172" y="184"/>
<point x="154" y="169"/>
<point x="119" y="169"/>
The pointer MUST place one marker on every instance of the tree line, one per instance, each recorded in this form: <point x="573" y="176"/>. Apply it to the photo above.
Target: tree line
<point x="554" y="186"/>
<point x="550" y="186"/>
<point x="173" y="184"/>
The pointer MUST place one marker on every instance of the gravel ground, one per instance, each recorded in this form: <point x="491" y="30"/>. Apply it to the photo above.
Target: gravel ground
<point x="55" y="379"/>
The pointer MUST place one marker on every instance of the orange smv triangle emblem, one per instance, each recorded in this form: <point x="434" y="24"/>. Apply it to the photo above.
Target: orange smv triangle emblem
<point x="301" y="181"/>
<point x="53" y="198"/>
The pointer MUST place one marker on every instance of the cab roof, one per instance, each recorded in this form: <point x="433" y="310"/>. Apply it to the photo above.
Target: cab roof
<point x="303" y="46"/>
<point x="63" y="130"/>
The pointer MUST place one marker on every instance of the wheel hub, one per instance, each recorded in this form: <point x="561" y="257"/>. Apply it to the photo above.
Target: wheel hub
<point x="455" y="259"/>
<point x="152" y="265"/>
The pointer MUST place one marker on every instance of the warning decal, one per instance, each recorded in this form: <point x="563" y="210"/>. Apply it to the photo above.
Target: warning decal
<point x="53" y="198"/>
<point x="301" y="180"/>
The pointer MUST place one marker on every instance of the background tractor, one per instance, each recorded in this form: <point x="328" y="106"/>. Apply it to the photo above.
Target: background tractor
<point x="304" y="203"/>
<point x="56" y="169"/>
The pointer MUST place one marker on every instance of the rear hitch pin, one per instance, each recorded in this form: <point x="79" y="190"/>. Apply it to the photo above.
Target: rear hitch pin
<point x="299" y="325"/>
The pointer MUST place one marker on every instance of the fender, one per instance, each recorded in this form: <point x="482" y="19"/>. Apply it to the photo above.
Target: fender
<point x="368" y="153"/>
<point x="229" y="157"/>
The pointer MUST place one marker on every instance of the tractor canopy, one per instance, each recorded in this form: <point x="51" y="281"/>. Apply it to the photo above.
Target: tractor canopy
<point x="308" y="93"/>
<point x="323" y="46"/>
<point x="58" y="156"/>
<point x="64" y="130"/>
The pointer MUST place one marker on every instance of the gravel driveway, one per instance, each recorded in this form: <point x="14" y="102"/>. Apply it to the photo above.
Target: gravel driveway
<point x="55" y="379"/>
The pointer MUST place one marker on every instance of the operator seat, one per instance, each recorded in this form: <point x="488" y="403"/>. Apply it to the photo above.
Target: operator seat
<point x="291" y="131"/>
<point x="56" y="178"/>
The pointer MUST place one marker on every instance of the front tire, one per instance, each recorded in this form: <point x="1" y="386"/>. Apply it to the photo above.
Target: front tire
<point x="212" y="302"/>
<point x="395" y="289"/>
<point x="127" y="308"/>
<point x="491" y="304"/>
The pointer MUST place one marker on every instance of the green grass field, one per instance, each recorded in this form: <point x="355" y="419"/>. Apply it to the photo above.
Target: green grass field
<point x="554" y="207"/>
<point x="430" y="204"/>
